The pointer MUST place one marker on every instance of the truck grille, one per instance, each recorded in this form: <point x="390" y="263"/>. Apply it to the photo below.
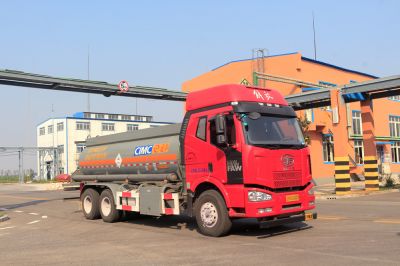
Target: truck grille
<point x="287" y="179"/>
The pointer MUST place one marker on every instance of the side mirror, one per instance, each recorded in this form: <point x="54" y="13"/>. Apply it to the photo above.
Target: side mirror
<point x="220" y="124"/>
<point x="221" y="139"/>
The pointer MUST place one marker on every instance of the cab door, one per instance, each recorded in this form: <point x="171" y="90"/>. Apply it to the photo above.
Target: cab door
<point x="227" y="160"/>
<point x="196" y="150"/>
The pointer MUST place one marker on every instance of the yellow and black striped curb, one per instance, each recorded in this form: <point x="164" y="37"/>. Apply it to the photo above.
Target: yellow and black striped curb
<point x="342" y="175"/>
<point x="371" y="173"/>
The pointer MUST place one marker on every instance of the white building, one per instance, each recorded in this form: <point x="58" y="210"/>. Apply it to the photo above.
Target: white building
<point x="68" y="135"/>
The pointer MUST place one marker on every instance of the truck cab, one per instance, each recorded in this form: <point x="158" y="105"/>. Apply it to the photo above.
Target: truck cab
<point x="246" y="143"/>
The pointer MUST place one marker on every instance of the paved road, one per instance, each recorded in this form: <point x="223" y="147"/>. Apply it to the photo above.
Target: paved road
<point x="47" y="229"/>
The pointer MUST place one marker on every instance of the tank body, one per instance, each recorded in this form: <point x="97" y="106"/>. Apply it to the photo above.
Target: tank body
<point x="147" y="151"/>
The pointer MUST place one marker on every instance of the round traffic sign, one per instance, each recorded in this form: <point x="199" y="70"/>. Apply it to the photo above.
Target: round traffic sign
<point x="123" y="86"/>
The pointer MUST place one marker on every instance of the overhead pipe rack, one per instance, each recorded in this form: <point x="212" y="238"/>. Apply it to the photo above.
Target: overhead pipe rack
<point x="19" y="78"/>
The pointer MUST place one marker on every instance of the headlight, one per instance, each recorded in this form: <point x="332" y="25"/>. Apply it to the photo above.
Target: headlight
<point x="311" y="192"/>
<point x="258" y="196"/>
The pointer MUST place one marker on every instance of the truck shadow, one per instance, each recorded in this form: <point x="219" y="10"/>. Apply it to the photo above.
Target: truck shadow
<point x="244" y="227"/>
<point x="250" y="227"/>
<point x="24" y="204"/>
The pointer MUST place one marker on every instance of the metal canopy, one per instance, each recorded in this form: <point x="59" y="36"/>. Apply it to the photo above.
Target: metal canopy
<point x="312" y="99"/>
<point x="19" y="78"/>
<point x="372" y="89"/>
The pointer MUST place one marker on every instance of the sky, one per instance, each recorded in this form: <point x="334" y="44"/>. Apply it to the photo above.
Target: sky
<point x="164" y="43"/>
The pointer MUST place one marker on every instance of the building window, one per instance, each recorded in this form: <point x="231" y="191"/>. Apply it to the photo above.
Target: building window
<point x="125" y="117"/>
<point x="60" y="149"/>
<point x="113" y="117"/>
<point x="87" y="115"/>
<point x="309" y="115"/>
<point x="80" y="147"/>
<point x="395" y="152"/>
<point x="395" y="98"/>
<point x="99" y="116"/>
<point x="107" y="126"/>
<point x="137" y="118"/>
<point x="149" y="118"/>
<point x="327" y="147"/>
<point x="50" y="129"/>
<point x="42" y="131"/>
<point x="82" y="125"/>
<point x="394" y="126"/>
<point x="132" y="127"/>
<point x="359" y="151"/>
<point x="60" y="126"/>
<point x="201" y="128"/>
<point x="357" y="123"/>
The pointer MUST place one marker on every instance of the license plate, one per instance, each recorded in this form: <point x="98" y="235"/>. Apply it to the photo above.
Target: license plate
<point x="291" y="198"/>
<point x="309" y="216"/>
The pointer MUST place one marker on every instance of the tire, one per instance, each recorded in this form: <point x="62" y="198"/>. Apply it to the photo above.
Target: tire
<point x="211" y="214"/>
<point x="90" y="204"/>
<point x="108" y="210"/>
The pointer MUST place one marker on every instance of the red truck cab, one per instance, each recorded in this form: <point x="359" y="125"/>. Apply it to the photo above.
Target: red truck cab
<point x="246" y="144"/>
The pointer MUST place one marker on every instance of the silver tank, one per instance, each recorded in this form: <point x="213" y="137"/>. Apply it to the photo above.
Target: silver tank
<point x="150" y="151"/>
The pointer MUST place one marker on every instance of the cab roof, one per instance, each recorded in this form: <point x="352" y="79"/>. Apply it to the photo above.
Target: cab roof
<point x="232" y="93"/>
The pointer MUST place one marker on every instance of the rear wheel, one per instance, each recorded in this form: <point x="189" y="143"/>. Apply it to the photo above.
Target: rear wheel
<point x="90" y="204"/>
<point x="108" y="210"/>
<point x="212" y="215"/>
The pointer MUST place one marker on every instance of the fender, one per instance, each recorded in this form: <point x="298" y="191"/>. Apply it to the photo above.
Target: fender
<point x="215" y="182"/>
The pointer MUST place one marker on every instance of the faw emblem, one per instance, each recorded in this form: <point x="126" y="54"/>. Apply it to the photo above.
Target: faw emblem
<point x="287" y="161"/>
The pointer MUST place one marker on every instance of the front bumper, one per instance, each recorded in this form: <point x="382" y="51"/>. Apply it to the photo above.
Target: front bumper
<point x="281" y="204"/>
<point x="287" y="220"/>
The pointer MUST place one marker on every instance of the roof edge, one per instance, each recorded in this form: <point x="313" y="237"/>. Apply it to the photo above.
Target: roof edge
<point x="241" y="60"/>
<point x="338" y="67"/>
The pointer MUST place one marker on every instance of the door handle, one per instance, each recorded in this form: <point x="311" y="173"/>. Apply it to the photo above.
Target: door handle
<point x="210" y="167"/>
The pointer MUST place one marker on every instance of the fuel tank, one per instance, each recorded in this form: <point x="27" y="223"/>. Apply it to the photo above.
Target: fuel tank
<point x="151" y="152"/>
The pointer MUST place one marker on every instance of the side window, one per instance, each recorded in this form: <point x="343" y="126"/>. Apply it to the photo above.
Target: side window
<point x="201" y="128"/>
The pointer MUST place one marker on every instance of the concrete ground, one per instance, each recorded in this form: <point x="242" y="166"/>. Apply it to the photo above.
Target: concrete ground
<point x="47" y="228"/>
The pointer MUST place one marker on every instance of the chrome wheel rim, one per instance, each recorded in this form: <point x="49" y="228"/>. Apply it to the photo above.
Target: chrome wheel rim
<point x="106" y="206"/>
<point x="87" y="204"/>
<point x="208" y="214"/>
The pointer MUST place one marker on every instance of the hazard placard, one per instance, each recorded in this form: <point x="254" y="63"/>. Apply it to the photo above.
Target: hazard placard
<point x="123" y="86"/>
<point x="244" y="82"/>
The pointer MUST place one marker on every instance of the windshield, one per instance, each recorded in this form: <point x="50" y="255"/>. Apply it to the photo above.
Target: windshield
<point x="273" y="131"/>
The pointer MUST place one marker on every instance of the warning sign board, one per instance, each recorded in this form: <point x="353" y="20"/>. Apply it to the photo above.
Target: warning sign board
<point x="244" y="82"/>
<point x="123" y="86"/>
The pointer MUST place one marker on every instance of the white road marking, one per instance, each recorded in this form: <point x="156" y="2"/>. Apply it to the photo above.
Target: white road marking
<point x="33" y="222"/>
<point x="8" y="227"/>
<point x="18" y="211"/>
<point x="44" y="217"/>
<point x="34" y="213"/>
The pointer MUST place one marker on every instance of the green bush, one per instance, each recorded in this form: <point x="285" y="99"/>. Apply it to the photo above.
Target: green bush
<point x="389" y="182"/>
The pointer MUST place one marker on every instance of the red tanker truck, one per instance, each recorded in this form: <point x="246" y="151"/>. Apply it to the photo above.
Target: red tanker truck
<point x="239" y="153"/>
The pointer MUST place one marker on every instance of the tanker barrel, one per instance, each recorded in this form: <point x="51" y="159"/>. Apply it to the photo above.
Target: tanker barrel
<point x="146" y="153"/>
<point x="123" y="177"/>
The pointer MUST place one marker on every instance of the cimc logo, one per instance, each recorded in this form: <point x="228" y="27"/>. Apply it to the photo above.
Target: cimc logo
<point x="151" y="149"/>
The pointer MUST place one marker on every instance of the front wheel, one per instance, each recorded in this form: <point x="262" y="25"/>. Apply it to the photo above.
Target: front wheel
<point x="108" y="210"/>
<point x="212" y="215"/>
